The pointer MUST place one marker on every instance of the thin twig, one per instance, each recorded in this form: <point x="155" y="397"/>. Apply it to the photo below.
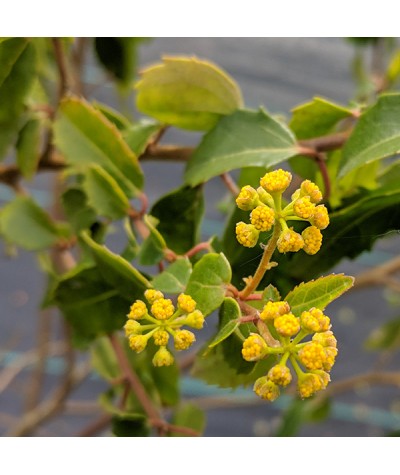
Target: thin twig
<point x="379" y="275"/>
<point x="320" y="160"/>
<point x="230" y="184"/>
<point x="64" y="82"/>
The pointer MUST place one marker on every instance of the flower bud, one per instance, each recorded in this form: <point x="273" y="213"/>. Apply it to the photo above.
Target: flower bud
<point x="247" y="198"/>
<point x="163" y="357"/>
<point x="247" y="234"/>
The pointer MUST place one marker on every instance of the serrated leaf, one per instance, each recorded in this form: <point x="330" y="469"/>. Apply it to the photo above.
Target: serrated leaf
<point x="24" y="223"/>
<point x="179" y="215"/>
<point x="28" y="147"/>
<point x="376" y="135"/>
<point x="316" y="118"/>
<point x="318" y="293"/>
<point x="187" y="92"/>
<point x="175" y="278"/>
<point x="113" y="116"/>
<point x="230" y="314"/>
<point x="17" y="75"/>
<point x="188" y="415"/>
<point x="139" y="134"/>
<point x="153" y="247"/>
<point x="87" y="138"/>
<point x="271" y="293"/>
<point x="104" y="193"/>
<point x="91" y="305"/>
<point x="245" y="138"/>
<point x="115" y="270"/>
<point x="207" y="282"/>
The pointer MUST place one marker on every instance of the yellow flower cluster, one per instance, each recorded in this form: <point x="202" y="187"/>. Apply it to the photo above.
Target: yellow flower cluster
<point x="162" y="322"/>
<point x="311" y="360"/>
<point x="265" y="205"/>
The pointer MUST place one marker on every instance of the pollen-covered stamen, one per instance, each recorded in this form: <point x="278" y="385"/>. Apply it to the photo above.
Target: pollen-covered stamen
<point x="161" y="338"/>
<point x="132" y="327"/>
<point x="162" y="309"/>
<point x="313" y="356"/>
<point x="280" y="374"/>
<point x="183" y="339"/>
<point x="254" y="347"/>
<point x="163" y="357"/>
<point x="262" y="218"/>
<point x="290" y="241"/>
<point x="138" y="310"/>
<point x="276" y="181"/>
<point x="186" y="303"/>
<point x="312" y="237"/>
<point x="309" y="384"/>
<point x="308" y="188"/>
<point x="315" y="321"/>
<point x="266" y="389"/>
<point x="247" y="234"/>
<point x="326" y="339"/>
<point x="247" y="199"/>
<point x="194" y="319"/>
<point x="287" y="325"/>
<point x="274" y="309"/>
<point x="320" y="218"/>
<point x="303" y="208"/>
<point x="138" y="342"/>
<point x="152" y="295"/>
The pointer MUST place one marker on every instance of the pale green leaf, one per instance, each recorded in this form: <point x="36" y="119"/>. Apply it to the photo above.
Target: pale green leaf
<point x="24" y="223"/>
<point x="316" y="118"/>
<point x="175" y="278"/>
<point x="139" y="134"/>
<point x="207" y="282"/>
<point x="231" y="314"/>
<point x="104" y="193"/>
<point x="153" y="247"/>
<point x="245" y="138"/>
<point x="376" y="135"/>
<point x="187" y="92"/>
<point x="28" y="147"/>
<point x="318" y="293"/>
<point x="86" y="138"/>
<point x="188" y="415"/>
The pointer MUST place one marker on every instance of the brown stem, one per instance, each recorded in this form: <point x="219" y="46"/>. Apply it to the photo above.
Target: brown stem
<point x="263" y="265"/>
<point x="323" y="144"/>
<point x="95" y="427"/>
<point x="167" y="152"/>
<point x="202" y="246"/>
<point x="389" y="379"/>
<point x="64" y="83"/>
<point x="230" y="184"/>
<point x="379" y="275"/>
<point x="320" y="160"/>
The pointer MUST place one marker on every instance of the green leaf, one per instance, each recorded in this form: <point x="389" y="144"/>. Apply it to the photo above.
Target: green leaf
<point x="376" y="135"/>
<point x="126" y="427"/>
<point x="245" y="138"/>
<point x="191" y="416"/>
<point x="138" y="135"/>
<point x="24" y="223"/>
<point x="91" y="305"/>
<point x="104" y="194"/>
<point x="106" y="401"/>
<point x="119" y="57"/>
<point x="386" y="337"/>
<point x="187" y="92"/>
<point x="175" y="278"/>
<point x="179" y="214"/>
<point x="86" y="138"/>
<point x="207" y="282"/>
<point x="153" y="247"/>
<point x="17" y="75"/>
<point x="113" y="116"/>
<point x="271" y="293"/>
<point x="393" y="71"/>
<point x="80" y="215"/>
<point x="318" y="293"/>
<point x="103" y="359"/>
<point x="230" y="313"/>
<point x="28" y="147"/>
<point x="115" y="270"/>
<point x="132" y="247"/>
<point x="166" y="380"/>
<point x="316" y="118"/>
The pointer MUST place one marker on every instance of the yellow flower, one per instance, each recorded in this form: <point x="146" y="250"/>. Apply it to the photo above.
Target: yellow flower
<point x="186" y="303"/>
<point x="303" y="208"/>
<point x="183" y="339"/>
<point x="247" y="198"/>
<point x="321" y="217"/>
<point x="308" y="385"/>
<point x="160" y="338"/>
<point x="138" y="310"/>
<point x="138" y="342"/>
<point x="195" y="320"/>
<point x="266" y="389"/>
<point x="308" y="188"/>
<point x="152" y="295"/>
<point x="247" y="234"/>
<point x="280" y="375"/>
<point x="132" y="327"/>
<point x="315" y="321"/>
<point x="287" y="325"/>
<point x="163" y="357"/>
<point x="312" y="240"/>
<point x="326" y="339"/>
<point x="162" y="309"/>
<point x="290" y="241"/>
<point x="313" y="355"/>
<point x="276" y="181"/>
<point x="274" y="309"/>
<point x="262" y="218"/>
<point x="254" y="347"/>
<point x="330" y="357"/>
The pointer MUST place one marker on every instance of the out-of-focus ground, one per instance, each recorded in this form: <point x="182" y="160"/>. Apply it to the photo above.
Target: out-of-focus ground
<point x="278" y="73"/>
